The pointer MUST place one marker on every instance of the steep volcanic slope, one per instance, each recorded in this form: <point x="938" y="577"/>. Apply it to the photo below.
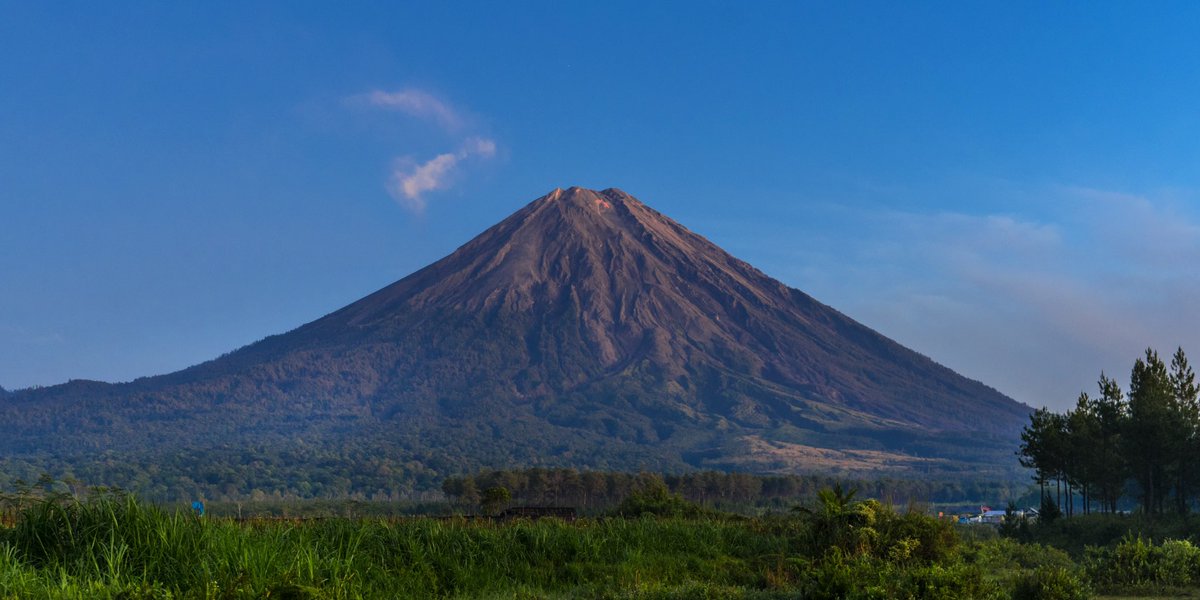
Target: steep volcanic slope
<point x="586" y="328"/>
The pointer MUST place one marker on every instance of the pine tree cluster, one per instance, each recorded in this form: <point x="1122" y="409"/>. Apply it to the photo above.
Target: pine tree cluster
<point x="1141" y="443"/>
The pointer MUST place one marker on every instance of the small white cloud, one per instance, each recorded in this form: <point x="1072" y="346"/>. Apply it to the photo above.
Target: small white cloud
<point x="410" y="181"/>
<point x="416" y="103"/>
<point x="480" y="146"/>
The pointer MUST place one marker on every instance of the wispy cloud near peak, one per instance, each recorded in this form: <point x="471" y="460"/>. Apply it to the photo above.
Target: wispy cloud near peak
<point x="410" y="181"/>
<point x="416" y="103"/>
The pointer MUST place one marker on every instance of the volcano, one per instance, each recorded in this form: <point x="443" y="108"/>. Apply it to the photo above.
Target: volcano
<point x="584" y="330"/>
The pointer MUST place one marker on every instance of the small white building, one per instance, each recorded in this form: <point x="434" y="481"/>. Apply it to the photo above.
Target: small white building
<point x="993" y="517"/>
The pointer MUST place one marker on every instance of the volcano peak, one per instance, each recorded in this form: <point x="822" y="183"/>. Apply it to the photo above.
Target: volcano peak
<point x="585" y="198"/>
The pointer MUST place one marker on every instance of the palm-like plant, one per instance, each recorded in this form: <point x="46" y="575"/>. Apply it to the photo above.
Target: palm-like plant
<point x="837" y="521"/>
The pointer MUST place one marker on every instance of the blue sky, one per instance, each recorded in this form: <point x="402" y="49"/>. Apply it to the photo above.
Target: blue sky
<point x="1009" y="188"/>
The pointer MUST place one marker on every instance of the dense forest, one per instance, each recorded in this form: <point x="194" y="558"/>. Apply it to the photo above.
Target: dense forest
<point x="266" y="472"/>
<point x="598" y="490"/>
<point x="1141" y="443"/>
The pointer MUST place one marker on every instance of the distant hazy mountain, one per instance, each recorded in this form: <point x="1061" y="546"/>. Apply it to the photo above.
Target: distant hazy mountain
<point x="586" y="330"/>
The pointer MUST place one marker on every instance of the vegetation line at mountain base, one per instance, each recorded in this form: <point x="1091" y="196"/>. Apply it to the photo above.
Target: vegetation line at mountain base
<point x="187" y="480"/>
<point x="835" y="547"/>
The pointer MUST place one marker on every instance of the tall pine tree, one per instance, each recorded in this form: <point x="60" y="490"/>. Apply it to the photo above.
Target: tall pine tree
<point x="1111" y="416"/>
<point x="1151" y="451"/>
<point x="1184" y="434"/>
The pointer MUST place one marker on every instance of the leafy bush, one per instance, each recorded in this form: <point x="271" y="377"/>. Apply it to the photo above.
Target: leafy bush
<point x="1181" y="562"/>
<point x="869" y="528"/>
<point x="1080" y="531"/>
<point x="1007" y="554"/>
<point x="1135" y="562"/>
<point x="915" y="536"/>
<point x="657" y="501"/>
<point x="1051" y="583"/>
<point x="866" y="578"/>
<point x="494" y="499"/>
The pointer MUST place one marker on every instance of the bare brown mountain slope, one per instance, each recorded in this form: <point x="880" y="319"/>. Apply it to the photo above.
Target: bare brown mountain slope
<point x="586" y="329"/>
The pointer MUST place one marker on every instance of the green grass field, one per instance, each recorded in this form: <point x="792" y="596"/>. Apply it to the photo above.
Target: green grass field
<point x="118" y="548"/>
<point x="126" y="550"/>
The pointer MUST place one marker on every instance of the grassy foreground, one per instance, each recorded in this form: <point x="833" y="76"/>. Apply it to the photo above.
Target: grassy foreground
<point x="122" y="549"/>
<point x="118" y="548"/>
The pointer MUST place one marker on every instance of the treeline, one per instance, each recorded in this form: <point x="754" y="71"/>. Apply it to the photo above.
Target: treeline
<point x="595" y="490"/>
<point x="358" y="472"/>
<point x="1142" y="441"/>
<point x="355" y="471"/>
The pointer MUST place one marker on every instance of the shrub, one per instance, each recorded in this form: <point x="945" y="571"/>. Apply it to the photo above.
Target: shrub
<point x="494" y="499"/>
<point x="657" y="501"/>
<point x="1051" y="583"/>
<point x="1007" y="554"/>
<point x="869" y="528"/>
<point x="1136" y="561"/>
<point x="1180" y="562"/>
<point x="915" y="537"/>
<point x="867" y="578"/>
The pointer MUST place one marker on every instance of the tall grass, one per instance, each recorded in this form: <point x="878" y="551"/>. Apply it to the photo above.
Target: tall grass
<point x="119" y="548"/>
